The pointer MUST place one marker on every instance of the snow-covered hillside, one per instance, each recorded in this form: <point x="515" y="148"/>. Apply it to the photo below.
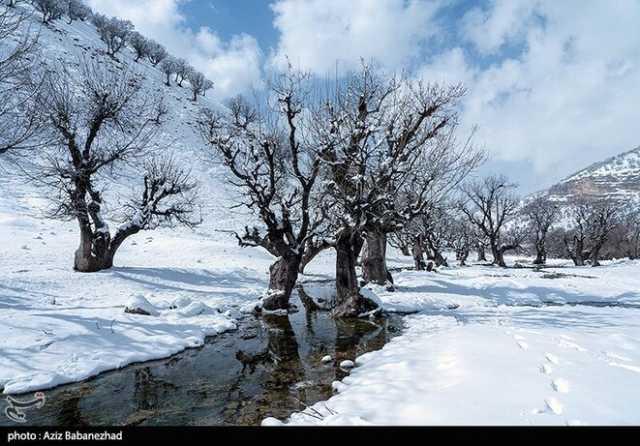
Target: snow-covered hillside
<point x="58" y="326"/>
<point x="617" y="178"/>
<point x="179" y="137"/>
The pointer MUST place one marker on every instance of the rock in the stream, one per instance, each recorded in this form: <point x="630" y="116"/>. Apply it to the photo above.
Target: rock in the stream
<point x="347" y="364"/>
<point x="326" y="359"/>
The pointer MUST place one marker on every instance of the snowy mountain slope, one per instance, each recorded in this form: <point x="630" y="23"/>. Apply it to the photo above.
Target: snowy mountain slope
<point x="179" y="137"/>
<point x="617" y="178"/>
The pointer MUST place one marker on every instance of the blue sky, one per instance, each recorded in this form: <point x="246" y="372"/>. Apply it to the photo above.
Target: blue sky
<point x="232" y="17"/>
<point x="552" y="85"/>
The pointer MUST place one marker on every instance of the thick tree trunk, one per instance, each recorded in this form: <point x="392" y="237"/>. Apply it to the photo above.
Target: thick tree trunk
<point x="541" y="254"/>
<point x="283" y="275"/>
<point x="97" y="250"/>
<point x="439" y="258"/>
<point x="87" y="258"/>
<point x="482" y="256"/>
<point x="374" y="259"/>
<point x="579" y="256"/>
<point x="462" y="256"/>
<point x="418" y="255"/>
<point x="595" y="256"/>
<point x="349" y="301"/>
<point x="358" y="246"/>
<point x="498" y="256"/>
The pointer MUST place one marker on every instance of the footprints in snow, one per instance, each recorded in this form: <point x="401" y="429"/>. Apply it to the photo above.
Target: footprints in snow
<point x="520" y="342"/>
<point x="559" y="385"/>
<point x="551" y="358"/>
<point x="554" y="405"/>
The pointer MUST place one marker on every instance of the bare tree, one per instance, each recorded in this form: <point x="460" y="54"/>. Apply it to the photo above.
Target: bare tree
<point x="592" y="224"/>
<point x="14" y="3"/>
<point x="542" y="214"/>
<point x="157" y="53"/>
<point x="114" y="33"/>
<point x="182" y="70"/>
<point x="630" y="229"/>
<point x="140" y="44"/>
<point x="461" y="238"/>
<point x="99" y="20"/>
<point x="392" y="149"/>
<point x="436" y="233"/>
<point x="50" y="9"/>
<point x="271" y="158"/>
<point x="489" y="204"/>
<point x="199" y="84"/>
<point x="576" y="239"/>
<point x="604" y="218"/>
<point x="429" y="234"/>
<point x="402" y="241"/>
<point x="481" y="244"/>
<point x="101" y="121"/>
<point x="168" y="66"/>
<point x="77" y="10"/>
<point x="19" y="124"/>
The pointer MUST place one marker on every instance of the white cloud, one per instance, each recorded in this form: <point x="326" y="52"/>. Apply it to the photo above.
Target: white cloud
<point x="489" y="29"/>
<point x="234" y="66"/>
<point x="570" y="97"/>
<point x="315" y="34"/>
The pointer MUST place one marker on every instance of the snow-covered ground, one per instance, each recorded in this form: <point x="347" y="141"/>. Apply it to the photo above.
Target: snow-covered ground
<point x="58" y="326"/>
<point x="487" y="348"/>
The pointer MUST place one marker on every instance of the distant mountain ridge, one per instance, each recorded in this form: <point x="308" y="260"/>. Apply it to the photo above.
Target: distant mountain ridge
<point x="616" y="178"/>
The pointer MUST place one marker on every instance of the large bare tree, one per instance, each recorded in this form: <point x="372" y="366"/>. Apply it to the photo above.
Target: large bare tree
<point x="542" y="214"/>
<point x="101" y="121"/>
<point x="490" y="204"/>
<point x="391" y="149"/>
<point x="592" y="223"/>
<point x="271" y="158"/>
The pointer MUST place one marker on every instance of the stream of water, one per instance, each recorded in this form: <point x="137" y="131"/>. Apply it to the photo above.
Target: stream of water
<point x="270" y="366"/>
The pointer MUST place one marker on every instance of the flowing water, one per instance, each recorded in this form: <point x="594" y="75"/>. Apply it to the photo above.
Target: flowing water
<point x="270" y="366"/>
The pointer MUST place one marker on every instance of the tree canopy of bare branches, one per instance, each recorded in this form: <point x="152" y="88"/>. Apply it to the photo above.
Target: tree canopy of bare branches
<point x="391" y="152"/>
<point x="50" y="9"/>
<point x="157" y="53"/>
<point x="592" y="222"/>
<point x="114" y="33"/>
<point x="489" y="204"/>
<point x="99" y="121"/>
<point x="199" y="84"/>
<point x="270" y="157"/>
<point x="19" y="125"/>
<point x="76" y="10"/>
<point x="542" y="214"/>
